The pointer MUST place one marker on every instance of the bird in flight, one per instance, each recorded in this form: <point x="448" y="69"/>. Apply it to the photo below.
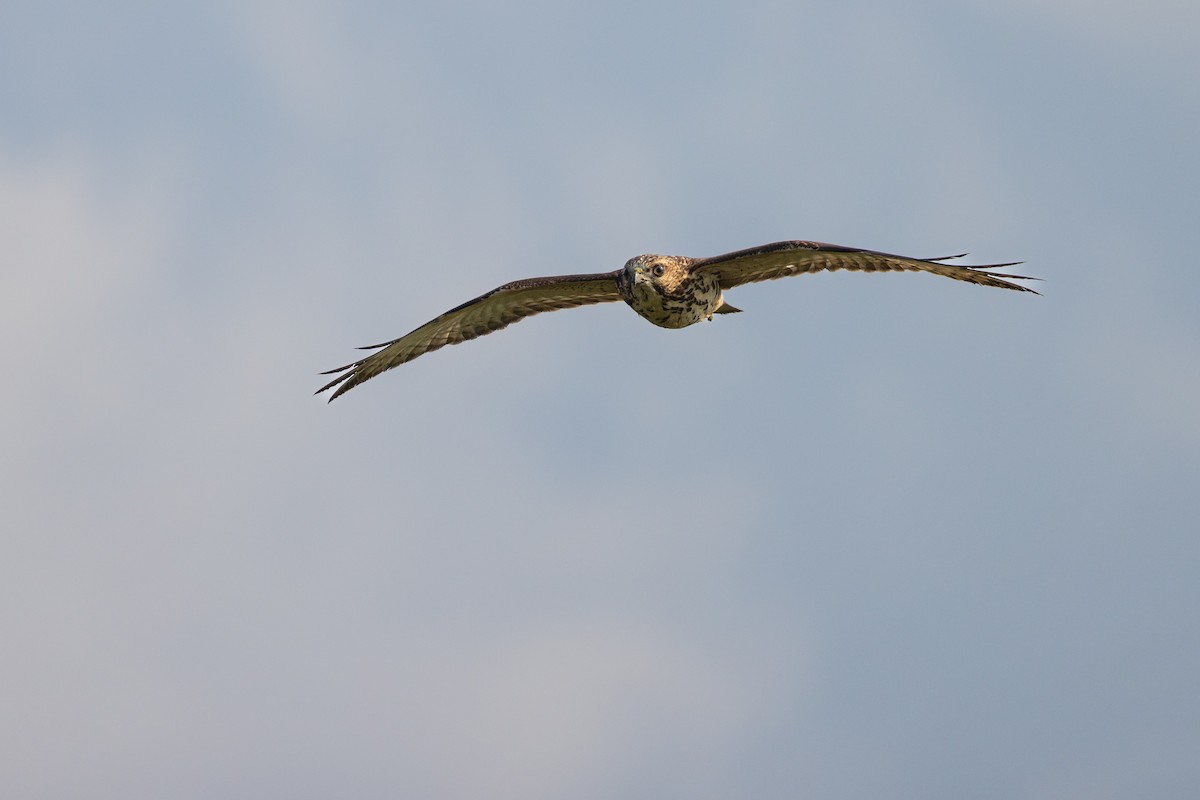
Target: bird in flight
<point x="669" y="291"/>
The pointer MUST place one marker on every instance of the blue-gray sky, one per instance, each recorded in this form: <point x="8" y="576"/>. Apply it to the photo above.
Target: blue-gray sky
<point x="878" y="536"/>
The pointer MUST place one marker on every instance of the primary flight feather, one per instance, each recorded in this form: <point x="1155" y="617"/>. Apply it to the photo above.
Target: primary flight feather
<point x="669" y="291"/>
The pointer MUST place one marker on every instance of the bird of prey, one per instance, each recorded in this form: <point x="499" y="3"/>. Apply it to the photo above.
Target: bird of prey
<point x="669" y="291"/>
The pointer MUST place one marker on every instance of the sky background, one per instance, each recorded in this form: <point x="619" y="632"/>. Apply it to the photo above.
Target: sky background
<point x="879" y="536"/>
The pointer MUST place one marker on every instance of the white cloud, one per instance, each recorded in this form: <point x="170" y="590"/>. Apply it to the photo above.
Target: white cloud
<point x="85" y="247"/>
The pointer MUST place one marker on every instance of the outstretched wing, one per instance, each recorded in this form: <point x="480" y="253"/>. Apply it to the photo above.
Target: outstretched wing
<point x="483" y="315"/>
<point x="782" y="259"/>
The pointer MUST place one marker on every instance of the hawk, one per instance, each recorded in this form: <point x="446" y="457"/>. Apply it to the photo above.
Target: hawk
<point x="669" y="291"/>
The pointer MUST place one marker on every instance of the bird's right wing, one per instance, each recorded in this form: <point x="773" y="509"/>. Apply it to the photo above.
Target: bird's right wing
<point x="483" y="315"/>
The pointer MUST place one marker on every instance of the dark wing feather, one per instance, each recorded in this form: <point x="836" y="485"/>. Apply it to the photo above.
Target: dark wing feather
<point x="483" y="315"/>
<point x="782" y="259"/>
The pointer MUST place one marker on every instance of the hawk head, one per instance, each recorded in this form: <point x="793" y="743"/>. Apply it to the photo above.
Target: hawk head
<point x="660" y="272"/>
<point x="643" y="268"/>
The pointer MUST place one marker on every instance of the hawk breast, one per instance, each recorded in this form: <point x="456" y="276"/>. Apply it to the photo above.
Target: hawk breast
<point x="693" y="299"/>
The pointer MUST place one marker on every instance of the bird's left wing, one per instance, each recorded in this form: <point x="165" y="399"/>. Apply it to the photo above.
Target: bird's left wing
<point x="483" y="315"/>
<point x="781" y="259"/>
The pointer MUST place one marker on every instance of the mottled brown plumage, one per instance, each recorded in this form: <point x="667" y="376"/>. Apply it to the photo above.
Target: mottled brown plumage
<point x="669" y="291"/>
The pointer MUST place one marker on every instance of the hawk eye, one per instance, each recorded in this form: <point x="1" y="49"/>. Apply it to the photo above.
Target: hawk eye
<point x="658" y="270"/>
